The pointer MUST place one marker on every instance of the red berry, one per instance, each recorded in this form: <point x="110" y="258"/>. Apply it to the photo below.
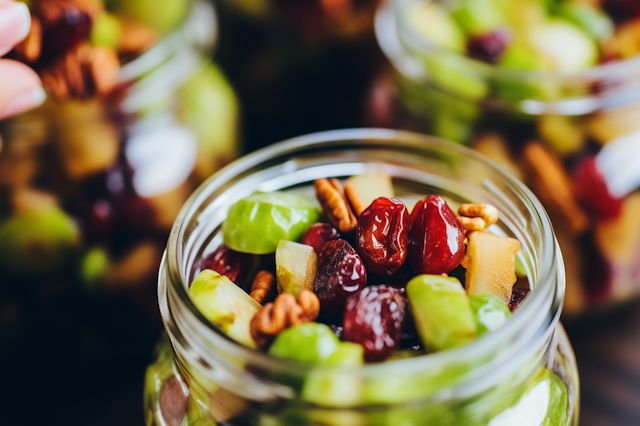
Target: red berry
<point x="488" y="47"/>
<point x="436" y="238"/>
<point x="340" y="274"/>
<point x="63" y="28"/>
<point x="318" y="234"/>
<point x="374" y="318"/>
<point x="592" y="191"/>
<point x="517" y="297"/>
<point x="233" y="264"/>
<point x="383" y="235"/>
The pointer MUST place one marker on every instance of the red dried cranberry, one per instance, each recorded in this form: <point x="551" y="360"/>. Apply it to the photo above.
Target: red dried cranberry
<point x="592" y="191"/>
<point x="436" y="237"/>
<point x="318" y="234"/>
<point x="232" y="264"/>
<point x="488" y="47"/>
<point x="383" y="235"/>
<point x="340" y="274"/>
<point x="622" y="10"/>
<point x="64" y="29"/>
<point x="374" y="318"/>
<point x="517" y="297"/>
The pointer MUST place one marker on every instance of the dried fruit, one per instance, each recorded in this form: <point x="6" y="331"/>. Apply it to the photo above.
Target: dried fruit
<point x="340" y="274"/>
<point x="593" y="193"/>
<point x="488" y="47"/>
<point x="436" y="237"/>
<point x="64" y="24"/>
<point x="383" y="236"/>
<point x="318" y="234"/>
<point x="517" y="297"/>
<point x="232" y="264"/>
<point x="375" y="318"/>
<point x="490" y="263"/>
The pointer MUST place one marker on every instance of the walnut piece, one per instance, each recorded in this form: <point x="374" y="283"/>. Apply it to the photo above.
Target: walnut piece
<point x="476" y="217"/>
<point x="284" y="312"/>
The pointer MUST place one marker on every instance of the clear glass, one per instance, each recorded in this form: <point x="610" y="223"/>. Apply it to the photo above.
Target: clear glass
<point x="226" y="383"/>
<point x="498" y="111"/>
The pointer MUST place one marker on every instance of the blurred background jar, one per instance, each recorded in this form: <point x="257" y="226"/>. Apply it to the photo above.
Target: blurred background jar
<point x="90" y="183"/>
<point x="298" y="66"/>
<point x="550" y="90"/>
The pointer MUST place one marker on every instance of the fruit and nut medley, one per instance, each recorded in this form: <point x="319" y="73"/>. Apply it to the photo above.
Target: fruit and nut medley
<point x="364" y="279"/>
<point x="551" y="35"/>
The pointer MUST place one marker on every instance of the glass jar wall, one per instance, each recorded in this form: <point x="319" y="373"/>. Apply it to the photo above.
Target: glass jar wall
<point x="201" y="377"/>
<point x="89" y="188"/>
<point x="561" y="133"/>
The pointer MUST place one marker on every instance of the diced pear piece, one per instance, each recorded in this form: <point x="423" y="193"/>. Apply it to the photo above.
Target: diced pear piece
<point x="371" y="186"/>
<point x="442" y="311"/>
<point x="491" y="263"/>
<point x="433" y="22"/>
<point x="225" y="304"/>
<point x="296" y="266"/>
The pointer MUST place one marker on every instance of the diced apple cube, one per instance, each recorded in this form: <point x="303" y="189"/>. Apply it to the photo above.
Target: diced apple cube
<point x="371" y="186"/>
<point x="296" y="266"/>
<point x="490" y="263"/>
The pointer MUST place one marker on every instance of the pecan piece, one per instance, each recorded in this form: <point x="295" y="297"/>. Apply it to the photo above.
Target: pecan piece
<point x="355" y="200"/>
<point x="283" y="313"/>
<point x="335" y="205"/>
<point x="28" y="50"/>
<point x="476" y="217"/>
<point x="262" y="286"/>
<point x="551" y="183"/>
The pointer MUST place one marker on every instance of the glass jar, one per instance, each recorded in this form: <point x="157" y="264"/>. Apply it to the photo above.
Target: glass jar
<point x="201" y="377"/>
<point x="88" y="192"/>
<point x="500" y="112"/>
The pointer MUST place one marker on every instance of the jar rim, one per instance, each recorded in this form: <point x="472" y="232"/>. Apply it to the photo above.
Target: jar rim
<point x="549" y="284"/>
<point x="614" y="70"/>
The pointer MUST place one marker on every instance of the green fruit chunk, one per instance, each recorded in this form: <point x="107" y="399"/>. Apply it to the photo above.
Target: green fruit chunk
<point x="545" y="403"/>
<point x="336" y="389"/>
<point x="37" y="243"/>
<point x="489" y="311"/>
<point x="257" y="223"/>
<point x="310" y="343"/>
<point x="478" y="16"/>
<point x="106" y="31"/>
<point x="589" y="18"/>
<point x="433" y="23"/>
<point x="455" y="76"/>
<point x="296" y="266"/>
<point x="93" y="268"/>
<point x="442" y="311"/>
<point x="161" y="15"/>
<point x="225" y="304"/>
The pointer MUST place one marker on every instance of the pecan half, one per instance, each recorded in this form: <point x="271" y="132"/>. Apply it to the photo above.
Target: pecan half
<point x="355" y="200"/>
<point x="28" y="50"/>
<point x="335" y="205"/>
<point x="551" y="183"/>
<point x="476" y="217"/>
<point x="284" y="312"/>
<point x="262" y="286"/>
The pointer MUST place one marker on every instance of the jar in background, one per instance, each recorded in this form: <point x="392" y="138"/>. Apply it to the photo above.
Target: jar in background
<point x="202" y="377"/>
<point x="89" y="188"/>
<point x="572" y="138"/>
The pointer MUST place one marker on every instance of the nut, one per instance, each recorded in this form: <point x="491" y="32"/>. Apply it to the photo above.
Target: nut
<point x="335" y="205"/>
<point x="355" y="200"/>
<point x="285" y="312"/>
<point x="30" y="48"/>
<point x="262" y="286"/>
<point x="476" y="217"/>
<point x="551" y="183"/>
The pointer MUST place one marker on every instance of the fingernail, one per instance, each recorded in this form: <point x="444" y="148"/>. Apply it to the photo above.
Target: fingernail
<point x="25" y="101"/>
<point x="15" y="22"/>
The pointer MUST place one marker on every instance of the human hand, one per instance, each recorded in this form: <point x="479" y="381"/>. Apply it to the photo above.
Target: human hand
<point x="20" y="86"/>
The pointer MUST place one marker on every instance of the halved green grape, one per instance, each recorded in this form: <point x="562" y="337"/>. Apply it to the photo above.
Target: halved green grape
<point x="489" y="311"/>
<point x="296" y="266"/>
<point x="257" y="223"/>
<point x="310" y="343"/>
<point x="106" y="30"/>
<point x="225" y="304"/>
<point x="442" y="311"/>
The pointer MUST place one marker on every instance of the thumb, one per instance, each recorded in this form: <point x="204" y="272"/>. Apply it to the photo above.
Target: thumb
<point x="15" y="22"/>
<point x="20" y="88"/>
